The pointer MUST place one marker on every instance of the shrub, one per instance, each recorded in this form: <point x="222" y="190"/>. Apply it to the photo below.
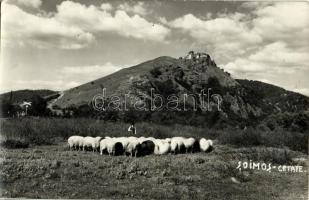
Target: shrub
<point x="248" y="137"/>
<point x="266" y="154"/>
<point x="155" y="72"/>
<point x="14" y="143"/>
<point x="254" y="137"/>
<point x="280" y="138"/>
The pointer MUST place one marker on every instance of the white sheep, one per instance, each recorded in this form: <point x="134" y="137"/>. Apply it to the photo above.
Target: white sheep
<point x="91" y="142"/>
<point x="104" y="144"/>
<point x="107" y="144"/>
<point x="75" y="142"/>
<point x="71" y="143"/>
<point x="177" y="143"/>
<point x="161" y="147"/>
<point x="96" y="143"/>
<point x="87" y="142"/>
<point x="205" y="145"/>
<point x="189" y="144"/>
<point x="133" y="148"/>
<point x="157" y="148"/>
<point x="113" y="146"/>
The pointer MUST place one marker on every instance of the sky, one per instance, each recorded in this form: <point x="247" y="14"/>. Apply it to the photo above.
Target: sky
<point x="61" y="44"/>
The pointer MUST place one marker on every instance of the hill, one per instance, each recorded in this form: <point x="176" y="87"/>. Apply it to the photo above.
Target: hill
<point x="202" y="95"/>
<point x="16" y="97"/>
<point x="10" y="102"/>
<point x="276" y="97"/>
<point x="122" y="81"/>
<point x="243" y="102"/>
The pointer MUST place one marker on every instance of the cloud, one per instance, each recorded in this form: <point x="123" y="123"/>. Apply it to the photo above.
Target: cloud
<point x="263" y="41"/>
<point x="278" y="52"/>
<point x="34" y="4"/>
<point x="88" y="73"/>
<point x="241" y="65"/>
<point x="285" y="46"/>
<point x="43" y="84"/>
<point x="253" y="5"/>
<point x="67" y="77"/>
<point x="214" y="30"/>
<point x="283" y="21"/>
<point x="226" y="36"/>
<point x="39" y="31"/>
<point x="138" y="8"/>
<point x="272" y="58"/>
<point x="98" y="21"/>
<point x="74" y="26"/>
<point x="106" y="6"/>
<point x="267" y="41"/>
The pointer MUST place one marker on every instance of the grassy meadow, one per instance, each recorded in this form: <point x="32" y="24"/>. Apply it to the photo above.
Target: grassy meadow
<point x="51" y="171"/>
<point x="24" y="132"/>
<point x="36" y="163"/>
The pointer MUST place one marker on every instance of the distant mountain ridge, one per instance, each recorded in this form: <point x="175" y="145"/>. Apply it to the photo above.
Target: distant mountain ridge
<point x="16" y="97"/>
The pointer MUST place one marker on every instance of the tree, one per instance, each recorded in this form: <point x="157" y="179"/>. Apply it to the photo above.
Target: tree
<point x="7" y="109"/>
<point x="38" y="106"/>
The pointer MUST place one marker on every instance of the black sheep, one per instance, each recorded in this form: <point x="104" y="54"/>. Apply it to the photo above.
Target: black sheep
<point x="146" y="148"/>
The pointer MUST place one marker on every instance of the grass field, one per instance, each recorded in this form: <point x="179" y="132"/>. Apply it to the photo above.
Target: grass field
<point x="54" y="172"/>
<point x="35" y="163"/>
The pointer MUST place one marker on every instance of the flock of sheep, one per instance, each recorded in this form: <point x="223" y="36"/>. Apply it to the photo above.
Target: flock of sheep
<point x="139" y="146"/>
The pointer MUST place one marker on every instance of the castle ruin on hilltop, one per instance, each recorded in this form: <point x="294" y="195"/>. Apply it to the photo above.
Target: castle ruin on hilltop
<point x="199" y="57"/>
<point x="192" y="55"/>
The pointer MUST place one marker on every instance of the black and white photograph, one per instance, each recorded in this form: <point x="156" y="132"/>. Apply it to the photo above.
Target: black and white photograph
<point x="162" y="99"/>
